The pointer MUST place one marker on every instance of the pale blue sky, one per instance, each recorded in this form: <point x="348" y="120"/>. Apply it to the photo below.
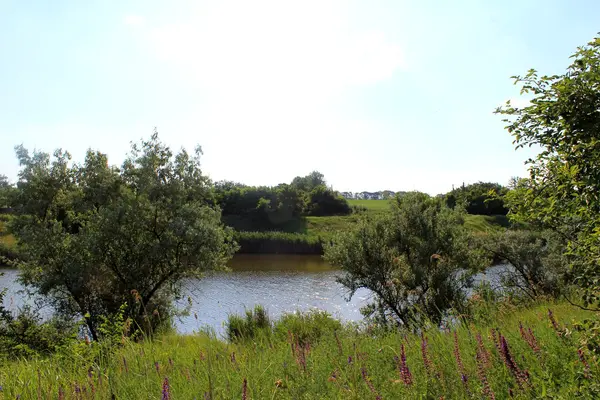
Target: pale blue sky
<point x="374" y="94"/>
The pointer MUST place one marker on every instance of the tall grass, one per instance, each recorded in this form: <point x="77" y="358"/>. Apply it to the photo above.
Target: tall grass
<point x="520" y="355"/>
<point x="278" y="243"/>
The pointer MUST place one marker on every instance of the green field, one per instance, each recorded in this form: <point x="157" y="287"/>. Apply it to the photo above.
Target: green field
<point x="371" y="205"/>
<point x="316" y="359"/>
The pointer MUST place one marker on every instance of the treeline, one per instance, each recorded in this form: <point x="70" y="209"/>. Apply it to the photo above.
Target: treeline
<point x="279" y="208"/>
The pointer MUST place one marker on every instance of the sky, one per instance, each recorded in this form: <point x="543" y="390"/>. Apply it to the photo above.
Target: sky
<point x="376" y="95"/>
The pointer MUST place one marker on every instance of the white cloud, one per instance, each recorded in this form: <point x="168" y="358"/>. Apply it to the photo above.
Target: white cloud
<point x="269" y="74"/>
<point x="135" y="20"/>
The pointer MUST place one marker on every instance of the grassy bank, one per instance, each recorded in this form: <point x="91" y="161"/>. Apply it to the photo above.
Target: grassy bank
<point x="278" y="243"/>
<point x="316" y="362"/>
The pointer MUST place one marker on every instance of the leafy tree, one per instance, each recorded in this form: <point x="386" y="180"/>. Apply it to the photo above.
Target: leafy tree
<point x="7" y="192"/>
<point x="482" y="198"/>
<point x="562" y="191"/>
<point x="323" y="201"/>
<point x="536" y="262"/>
<point x="96" y="237"/>
<point x="416" y="260"/>
<point x="309" y="182"/>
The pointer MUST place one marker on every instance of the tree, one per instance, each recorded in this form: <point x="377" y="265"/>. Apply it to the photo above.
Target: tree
<point x="97" y="237"/>
<point x="536" y="265"/>
<point x="309" y="182"/>
<point x="6" y="192"/>
<point x="323" y="201"/>
<point x="482" y="198"/>
<point x="562" y="191"/>
<point x="416" y="260"/>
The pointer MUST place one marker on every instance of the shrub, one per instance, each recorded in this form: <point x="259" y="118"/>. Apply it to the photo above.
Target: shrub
<point x="249" y="326"/>
<point x="307" y="327"/>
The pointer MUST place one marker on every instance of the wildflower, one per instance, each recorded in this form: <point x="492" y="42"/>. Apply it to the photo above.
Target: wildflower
<point x="555" y="324"/>
<point x="405" y="374"/>
<point x="425" y="355"/>
<point x="157" y="367"/>
<point x="459" y="363"/>
<point x="349" y="359"/>
<point x="166" y="393"/>
<point x="585" y="364"/>
<point x="339" y="344"/>
<point x="369" y="383"/>
<point x="482" y="351"/>
<point x="245" y="390"/>
<point x="510" y="362"/>
<point x="481" y="363"/>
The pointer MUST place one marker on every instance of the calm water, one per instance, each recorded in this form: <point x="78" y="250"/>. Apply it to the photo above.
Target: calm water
<point x="281" y="283"/>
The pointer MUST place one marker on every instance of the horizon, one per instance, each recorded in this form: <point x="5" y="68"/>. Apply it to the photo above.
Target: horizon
<point x="385" y="96"/>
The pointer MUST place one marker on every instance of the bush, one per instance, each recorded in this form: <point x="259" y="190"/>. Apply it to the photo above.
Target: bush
<point x="249" y="326"/>
<point x="23" y="334"/>
<point x="307" y="327"/>
<point x="417" y="261"/>
<point x="537" y="264"/>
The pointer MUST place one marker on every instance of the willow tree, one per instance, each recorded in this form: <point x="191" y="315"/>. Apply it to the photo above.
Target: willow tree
<point x="417" y="260"/>
<point x="97" y="237"/>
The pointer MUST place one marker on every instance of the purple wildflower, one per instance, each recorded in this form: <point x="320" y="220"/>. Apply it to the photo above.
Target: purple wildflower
<point x="365" y="376"/>
<point x="553" y="321"/>
<point x="482" y="351"/>
<point x="509" y="361"/>
<point x="481" y="365"/>
<point x="349" y="359"/>
<point x="425" y="355"/>
<point x="245" y="390"/>
<point x="461" y="368"/>
<point x="585" y="364"/>
<point x="166" y="393"/>
<point x="405" y="374"/>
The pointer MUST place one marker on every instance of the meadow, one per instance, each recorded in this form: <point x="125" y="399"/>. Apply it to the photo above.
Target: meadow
<point x="513" y="353"/>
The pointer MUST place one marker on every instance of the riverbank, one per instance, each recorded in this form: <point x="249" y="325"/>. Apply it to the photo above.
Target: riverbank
<point x="305" y="359"/>
<point x="310" y="235"/>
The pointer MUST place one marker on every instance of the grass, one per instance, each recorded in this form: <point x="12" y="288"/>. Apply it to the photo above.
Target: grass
<point x="372" y="205"/>
<point x="486" y="223"/>
<point x="338" y="364"/>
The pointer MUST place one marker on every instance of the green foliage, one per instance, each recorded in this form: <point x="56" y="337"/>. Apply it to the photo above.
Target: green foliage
<point x="8" y="192"/>
<point x="537" y="265"/>
<point x="23" y="334"/>
<point x="372" y="205"/>
<point x="96" y="237"/>
<point x="483" y="224"/>
<point x="278" y="243"/>
<point x="562" y="191"/>
<point x="323" y="201"/>
<point x="306" y="327"/>
<point x="481" y="198"/>
<point x="309" y="182"/>
<point x="341" y="364"/>
<point x="416" y="260"/>
<point x="255" y="322"/>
